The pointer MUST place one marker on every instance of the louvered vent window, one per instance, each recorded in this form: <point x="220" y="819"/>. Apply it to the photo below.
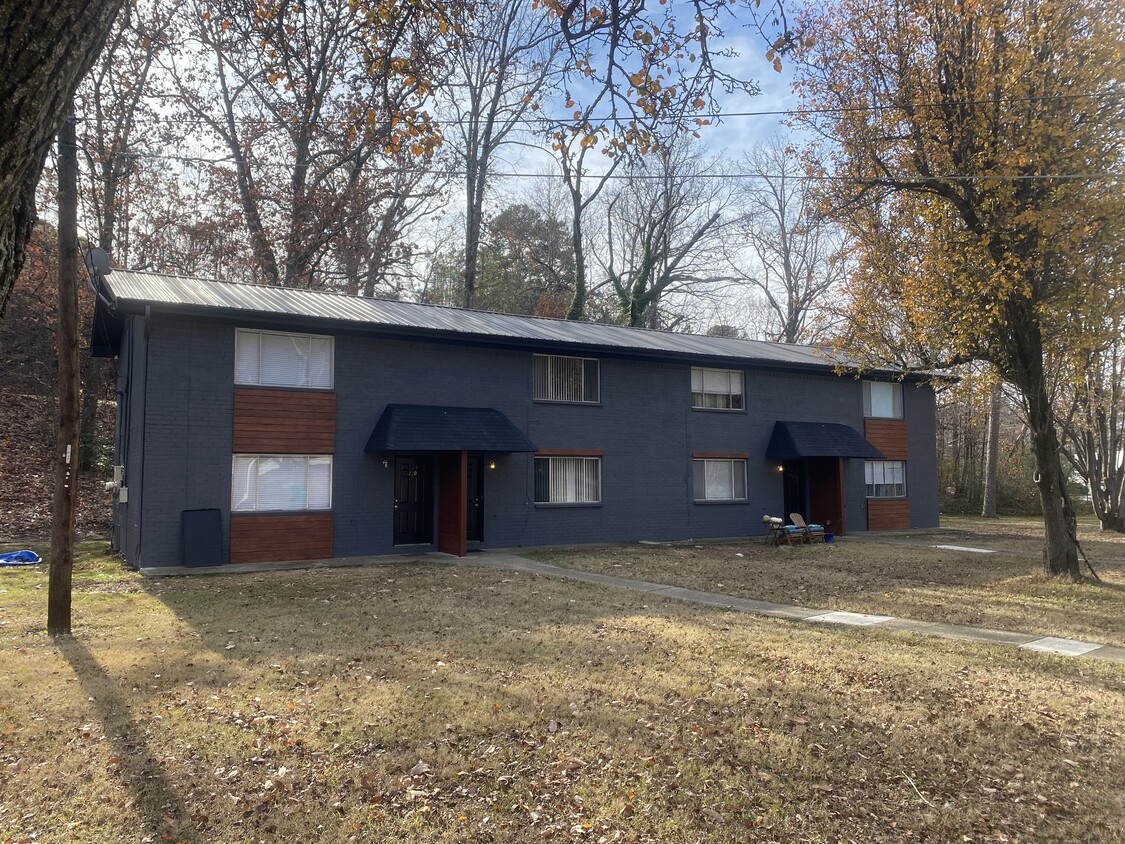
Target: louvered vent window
<point x="568" y="480"/>
<point x="565" y="379"/>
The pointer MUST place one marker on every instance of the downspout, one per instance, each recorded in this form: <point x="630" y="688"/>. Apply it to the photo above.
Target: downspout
<point x="144" y="430"/>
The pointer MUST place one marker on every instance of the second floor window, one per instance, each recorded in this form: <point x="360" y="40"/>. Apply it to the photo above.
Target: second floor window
<point x="716" y="389"/>
<point x="882" y="399"/>
<point x="280" y="359"/>
<point x="558" y="378"/>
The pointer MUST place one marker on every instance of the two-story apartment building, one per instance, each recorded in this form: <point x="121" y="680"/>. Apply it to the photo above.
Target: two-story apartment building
<point x="266" y="424"/>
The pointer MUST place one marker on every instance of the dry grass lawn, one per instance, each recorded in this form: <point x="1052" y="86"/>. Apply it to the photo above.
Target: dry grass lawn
<point x="901" y="575"/>
<point x="437" y="704"/>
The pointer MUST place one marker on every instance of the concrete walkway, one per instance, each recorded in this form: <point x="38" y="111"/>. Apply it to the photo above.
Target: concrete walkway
<point x="510" y="561"/>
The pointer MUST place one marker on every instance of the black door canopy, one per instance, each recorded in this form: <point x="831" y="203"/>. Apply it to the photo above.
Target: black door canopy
<point x="797" y="440"/>
<point x="424" y="427"/>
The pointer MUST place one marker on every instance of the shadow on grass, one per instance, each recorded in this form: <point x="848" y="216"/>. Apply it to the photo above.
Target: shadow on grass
<point x="157" y="801"/>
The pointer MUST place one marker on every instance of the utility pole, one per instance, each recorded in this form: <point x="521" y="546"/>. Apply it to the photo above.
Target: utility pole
<point x="66" y="443"/>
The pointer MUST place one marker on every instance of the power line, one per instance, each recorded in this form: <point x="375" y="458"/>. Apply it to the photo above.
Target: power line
<point x="804" y="177"/>
<point x="718" y="115"/>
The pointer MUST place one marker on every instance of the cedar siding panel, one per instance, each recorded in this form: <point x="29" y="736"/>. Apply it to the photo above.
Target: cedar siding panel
<point x="284" y="536"/>
<point x="889" y="436"/>
<point x="284" y="421"/>
<point x="888" y="514"/>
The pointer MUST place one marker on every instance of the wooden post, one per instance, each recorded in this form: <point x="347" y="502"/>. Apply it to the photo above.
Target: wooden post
<point x="66" y="443"/>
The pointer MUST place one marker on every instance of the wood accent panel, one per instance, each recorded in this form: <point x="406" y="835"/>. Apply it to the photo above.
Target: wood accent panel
<point x="719" y="455"/>
<point x="889" y="436"/>
<point x="569" y="452"/>
<point x="888" y="514"/>
<point x="284" y="421"/>
<point x="273" y="538"/>
<point x="452" y="469"/>
<point x="826" y="493"/>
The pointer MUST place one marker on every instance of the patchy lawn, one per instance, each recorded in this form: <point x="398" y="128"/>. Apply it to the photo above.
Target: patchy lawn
<point x="901" y="575"/>
<point x="437" y="704"/>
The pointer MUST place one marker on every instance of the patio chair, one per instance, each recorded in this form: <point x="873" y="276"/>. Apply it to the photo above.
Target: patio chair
<point x="781" y="533"/>
<point x="812" y="533"/>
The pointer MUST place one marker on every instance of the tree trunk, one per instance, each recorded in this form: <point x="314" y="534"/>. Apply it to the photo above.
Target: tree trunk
<point x="1060" y="553"/>
<point x="577" y="307"/>
<point x="991" y="458"/>
<point x="47" y="46"/>
<point x="66" y="443"/>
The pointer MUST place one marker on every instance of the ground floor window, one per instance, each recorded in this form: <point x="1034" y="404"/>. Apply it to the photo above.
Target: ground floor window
<point x="885" y="478"/>
<point x="568" y="480"/>
<point x="719" y="479"/>
<point x="281" y="482"/>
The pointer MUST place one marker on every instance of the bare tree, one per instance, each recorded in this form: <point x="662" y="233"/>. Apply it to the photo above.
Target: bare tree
<point x="663" y="229"/>
<point x="791" y="255"/>
<point x="502" y="57"/>
<point x="635" y="74"/>
<point x="110" y="101"/>
<point x="306" y="98"/>
<point x="1093" y="431"/>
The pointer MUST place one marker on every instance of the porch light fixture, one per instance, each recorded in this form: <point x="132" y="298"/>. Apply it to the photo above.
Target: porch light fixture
<point x="492" y="463"/>
<point x="780" y="468"/>
<point x="386" y="463"/>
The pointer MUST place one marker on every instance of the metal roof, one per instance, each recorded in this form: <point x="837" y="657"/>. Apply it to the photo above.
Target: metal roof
<point x="130" y="290"/>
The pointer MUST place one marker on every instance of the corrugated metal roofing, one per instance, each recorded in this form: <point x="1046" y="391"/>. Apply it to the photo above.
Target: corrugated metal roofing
<point x="144" y="288"/>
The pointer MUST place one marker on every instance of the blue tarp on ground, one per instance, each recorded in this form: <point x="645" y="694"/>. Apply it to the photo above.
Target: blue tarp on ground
<point x="19" y="558"/>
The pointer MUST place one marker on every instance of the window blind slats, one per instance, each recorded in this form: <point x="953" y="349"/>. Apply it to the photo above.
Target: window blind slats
<point x="281" y="482"/>
<point x="716" y="389"/>
<point x="567" y="480"/>
<point x="557" y="378"/>
<point x="276" y="359"/>
<point x="247" y="357"/>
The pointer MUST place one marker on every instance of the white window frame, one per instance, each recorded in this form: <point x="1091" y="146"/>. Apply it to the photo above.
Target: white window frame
<point x="727" y="400"/>
<point x="875" y="479"/>
<point x="250" y="335"/>
<point x="737" y="467"/>
<point x="245" y="506"/>
<point x="547" y="389"/>
<point x="895" y="388"/>
<point x="552" y="461"/>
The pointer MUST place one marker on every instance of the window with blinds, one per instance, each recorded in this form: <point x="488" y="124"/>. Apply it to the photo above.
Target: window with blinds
<point x="568" y="480"/>
<point x="277" y="359"/>
<point x="885" y="478"/>
<point x="281" y="482"/>
<point x="719" y="479"/>
<point x="557" y="378"/>
<point x="716" y="389"/>
<point x="882" y="399"/>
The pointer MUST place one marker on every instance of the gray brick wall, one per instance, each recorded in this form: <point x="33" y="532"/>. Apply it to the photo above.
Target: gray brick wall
<point x="644" y="424"/>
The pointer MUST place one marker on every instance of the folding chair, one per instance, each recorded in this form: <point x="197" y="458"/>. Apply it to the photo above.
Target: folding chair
<point x="811" y="533"/>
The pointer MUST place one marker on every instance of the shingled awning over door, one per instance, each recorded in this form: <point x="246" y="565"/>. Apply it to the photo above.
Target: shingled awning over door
<point x="423" y="427"/>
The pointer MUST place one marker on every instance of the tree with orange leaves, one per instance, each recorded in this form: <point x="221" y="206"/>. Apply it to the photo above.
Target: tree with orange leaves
<point x="978" y="149"/>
